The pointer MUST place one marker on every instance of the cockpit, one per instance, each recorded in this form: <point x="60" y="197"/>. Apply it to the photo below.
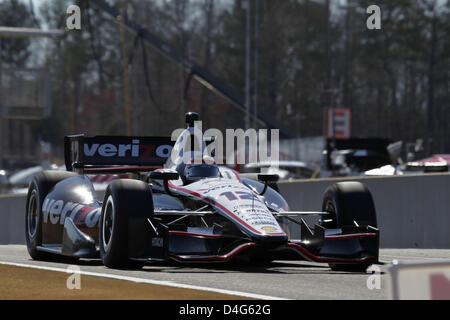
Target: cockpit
<point x="193" y="172"/>
<point x="189" y="156"/>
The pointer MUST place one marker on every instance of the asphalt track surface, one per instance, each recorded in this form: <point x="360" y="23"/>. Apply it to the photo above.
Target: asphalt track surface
<point x="281" y="279"/>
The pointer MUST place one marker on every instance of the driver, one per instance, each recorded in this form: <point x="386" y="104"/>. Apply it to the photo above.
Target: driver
<point x="193" y="172"/>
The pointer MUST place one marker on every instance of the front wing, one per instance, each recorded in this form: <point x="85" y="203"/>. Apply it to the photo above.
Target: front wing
<point x="151" y="240"/>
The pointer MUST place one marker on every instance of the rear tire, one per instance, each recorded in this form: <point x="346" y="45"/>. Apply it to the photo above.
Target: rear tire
<point x="346" y="203"/>
<point x="42" y="183"/>
<point x="122" y="198"/>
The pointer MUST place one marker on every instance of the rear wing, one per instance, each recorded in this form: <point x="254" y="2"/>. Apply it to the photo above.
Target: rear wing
<point x="115" y="154"/>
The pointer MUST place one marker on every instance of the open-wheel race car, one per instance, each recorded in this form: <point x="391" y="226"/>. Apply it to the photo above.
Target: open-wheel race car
<point x="187" y="211"/>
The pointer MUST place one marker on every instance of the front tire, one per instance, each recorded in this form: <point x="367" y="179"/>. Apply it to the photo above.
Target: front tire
<point x="123" y="198"/>
<point x="347" y="203"/>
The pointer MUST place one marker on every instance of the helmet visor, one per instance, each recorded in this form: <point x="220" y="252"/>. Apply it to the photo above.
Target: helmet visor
<point x="203" y="171"/>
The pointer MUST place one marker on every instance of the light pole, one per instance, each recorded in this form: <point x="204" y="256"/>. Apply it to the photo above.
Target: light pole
<point x="247" y="66"/>
<point x="255" y="62"/>
<point x="1" y="107"/>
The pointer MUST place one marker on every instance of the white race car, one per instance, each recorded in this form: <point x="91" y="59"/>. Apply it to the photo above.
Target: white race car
<point x="188" y="212"/>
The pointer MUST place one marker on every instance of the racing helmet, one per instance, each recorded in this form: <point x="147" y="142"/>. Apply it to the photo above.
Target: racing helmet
<point x="180" y="169"/>
<point x="197" y="171"/>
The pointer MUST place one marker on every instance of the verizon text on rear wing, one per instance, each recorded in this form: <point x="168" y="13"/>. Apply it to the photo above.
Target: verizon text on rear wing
<point x="115" y="154"/>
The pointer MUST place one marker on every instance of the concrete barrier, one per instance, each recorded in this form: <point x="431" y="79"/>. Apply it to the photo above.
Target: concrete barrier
<point x="412" y="211"/>
<point x="12" y="219"/>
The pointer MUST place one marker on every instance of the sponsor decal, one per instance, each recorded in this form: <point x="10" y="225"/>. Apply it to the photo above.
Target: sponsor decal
<point x="268" y="228"/>
<point x="111" y="150"/>
<point x="73" y="282"/>
<point x="127" y="150"/>
<point x="237" y="202"/>
<point x="56" y="211"/>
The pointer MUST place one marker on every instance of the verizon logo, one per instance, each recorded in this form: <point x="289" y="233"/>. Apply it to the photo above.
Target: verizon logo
<point x="111" y="150"/>
<point x="56" y="211"/>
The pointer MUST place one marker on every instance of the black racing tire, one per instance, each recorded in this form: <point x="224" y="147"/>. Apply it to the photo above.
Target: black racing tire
<point x="41" y="184"/>
<point x="347" y="202"/>
<point x="122" y="197"/>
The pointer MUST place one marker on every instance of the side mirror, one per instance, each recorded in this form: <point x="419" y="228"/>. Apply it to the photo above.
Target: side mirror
<point x="266" y="178"/>
<point x="164" y="175"/>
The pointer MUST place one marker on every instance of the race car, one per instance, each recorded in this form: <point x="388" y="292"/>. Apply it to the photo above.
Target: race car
<point x="187" y="211"/>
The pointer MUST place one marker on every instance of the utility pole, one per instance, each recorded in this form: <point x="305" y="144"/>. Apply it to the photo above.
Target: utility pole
<point x="328" y="90"/>
<point x="71" y="90"/>
<point x="180" y="13"/>
<point x="247" y="66"/>
<point x="125" y="80"/>
<point x="327" y="52"/>
<point x="1" y="107"/>
<point x="255" y="57"/>
<point x="430" y="89"/>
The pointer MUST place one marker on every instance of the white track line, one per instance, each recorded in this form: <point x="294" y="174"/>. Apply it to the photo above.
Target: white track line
<point x="147" y="281"/>
<point x="416" y="258"/>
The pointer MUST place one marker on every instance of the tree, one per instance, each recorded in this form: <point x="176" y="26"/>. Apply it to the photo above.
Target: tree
<point x="14" y="51"/>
